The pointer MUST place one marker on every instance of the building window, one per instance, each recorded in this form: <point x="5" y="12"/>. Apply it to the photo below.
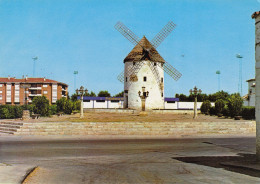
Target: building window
<point x="145" y="79"/>
<point x="126" y="79"/>
<point x="45" y="92"/>
<point x="114" y="101"/>
<point x="154" y="63"/>
<point x="162" y="64"/>
<point x="170" y="101"/>
<point x="45" y="85"/>
<point x="86" y="100"/>
<point x="100" y="100"/>
<point x="162" y="94"/>
<point x="1" y="85"/>
<point x="1" y="92"/>
<point x="162" y="80"/>
<point x="133" y="63"/>
<point x="1" y="98"/>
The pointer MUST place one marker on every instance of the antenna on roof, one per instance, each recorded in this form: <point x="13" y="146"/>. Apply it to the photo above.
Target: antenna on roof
<point x="34" y="59"/>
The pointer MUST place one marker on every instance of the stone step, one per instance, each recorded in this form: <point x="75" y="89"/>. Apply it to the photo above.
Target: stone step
<point x="8" y="129"/>
<point x="6" y="132"/>
<point x="10" y="123"/>
<point x="9" y="126"/>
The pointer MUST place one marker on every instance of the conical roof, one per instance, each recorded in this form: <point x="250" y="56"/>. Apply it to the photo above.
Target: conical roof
<point x="138" y="53"/>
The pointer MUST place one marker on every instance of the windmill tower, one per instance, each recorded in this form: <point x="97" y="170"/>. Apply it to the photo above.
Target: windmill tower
<point x="144" y="67"/>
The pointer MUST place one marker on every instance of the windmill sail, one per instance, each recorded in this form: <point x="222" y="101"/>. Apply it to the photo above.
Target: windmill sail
<point x="166" y="30"/>
<point x="144" y="50"/>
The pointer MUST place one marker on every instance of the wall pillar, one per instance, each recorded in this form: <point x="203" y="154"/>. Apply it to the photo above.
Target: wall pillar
<point x="257" y="80"/>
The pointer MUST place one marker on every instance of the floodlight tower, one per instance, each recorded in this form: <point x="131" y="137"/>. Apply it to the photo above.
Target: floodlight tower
<point x="34" y="60"/>
<point x="218" y="73"/>
<point x="240" y="74"/>
<point x="75" y="73"/>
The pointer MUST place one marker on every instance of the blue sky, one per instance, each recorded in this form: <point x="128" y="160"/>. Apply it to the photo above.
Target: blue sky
<point x="69" y="35"/>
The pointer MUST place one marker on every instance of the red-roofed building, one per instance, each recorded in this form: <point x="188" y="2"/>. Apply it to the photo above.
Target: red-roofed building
<point x="12" y="91"/>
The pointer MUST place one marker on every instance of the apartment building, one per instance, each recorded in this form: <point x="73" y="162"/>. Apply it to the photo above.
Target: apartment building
<point x="12" y="90"/>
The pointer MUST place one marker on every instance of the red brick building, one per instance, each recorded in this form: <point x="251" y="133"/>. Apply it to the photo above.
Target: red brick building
<point x="12" y="92"/>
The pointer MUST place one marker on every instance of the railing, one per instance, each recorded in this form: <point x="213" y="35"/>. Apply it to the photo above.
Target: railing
<point x="35" y="94"/>
<point x="35" y="88"/>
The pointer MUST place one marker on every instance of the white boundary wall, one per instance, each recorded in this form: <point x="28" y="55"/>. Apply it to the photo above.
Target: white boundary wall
<point x="116" y="105"/>
<point x="107" y="104"/>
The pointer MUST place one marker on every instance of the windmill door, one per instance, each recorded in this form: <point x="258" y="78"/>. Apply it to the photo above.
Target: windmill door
<point x="126" y="101"/>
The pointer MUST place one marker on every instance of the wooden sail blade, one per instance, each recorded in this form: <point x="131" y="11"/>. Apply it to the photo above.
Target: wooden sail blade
<point x="166" y="30"/>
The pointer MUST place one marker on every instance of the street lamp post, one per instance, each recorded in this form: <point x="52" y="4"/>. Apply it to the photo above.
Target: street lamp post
<point x="195" y="92"/>
<point x="26" y="112"/>
<point x="25" y="87"/>
<point x="81" y="91"/>
<point x="143" y="97"/>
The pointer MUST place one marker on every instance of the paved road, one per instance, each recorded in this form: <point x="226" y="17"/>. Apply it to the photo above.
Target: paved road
<point x="130" y="161"/>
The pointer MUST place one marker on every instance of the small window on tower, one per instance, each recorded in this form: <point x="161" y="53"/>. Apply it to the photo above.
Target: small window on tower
<point x="162" y="80"/>
<point x="133" y="63"/>
<point x="145" y="79"/>
<point x="155" y="63"/>
<point x="162" y="64"/>
<point x="162" y="94"/>
<point x="126" y="79"/>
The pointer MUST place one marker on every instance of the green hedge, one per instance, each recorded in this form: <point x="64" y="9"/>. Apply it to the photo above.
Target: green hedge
<point x="10" y="112"/>
<point x="248" y="112"/>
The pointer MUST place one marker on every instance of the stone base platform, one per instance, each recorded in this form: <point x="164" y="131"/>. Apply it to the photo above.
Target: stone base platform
<point x="139" y="129"/>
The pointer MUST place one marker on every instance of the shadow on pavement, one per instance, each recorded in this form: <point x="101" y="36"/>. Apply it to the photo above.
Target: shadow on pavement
<point x="243" y="163"/>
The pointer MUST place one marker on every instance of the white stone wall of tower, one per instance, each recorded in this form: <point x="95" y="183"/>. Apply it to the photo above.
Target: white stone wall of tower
<point x="155" y="100"/>
<point x="257" y="88"/>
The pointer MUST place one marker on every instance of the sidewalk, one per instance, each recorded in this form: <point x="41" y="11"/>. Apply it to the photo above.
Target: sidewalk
<point x="14" y="173"/>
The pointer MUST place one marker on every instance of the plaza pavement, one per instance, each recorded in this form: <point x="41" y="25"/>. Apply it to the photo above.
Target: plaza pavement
<point x="62" y="159"/>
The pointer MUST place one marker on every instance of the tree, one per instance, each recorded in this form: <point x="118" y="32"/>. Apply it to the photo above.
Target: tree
<point x="77" y="105"/>
<point x="41" y="105"/>
<point x="74" y="97"/>
<point x="235" y="103"/>
<point x="92" y="94"/>
<point x="64" y="105"/>
<point x="219" y="106"/>
<point x="222" y="95"/>
<point x="104" y="94"/>
<point x="121" y="94"/>
<point x="205" y="107"/>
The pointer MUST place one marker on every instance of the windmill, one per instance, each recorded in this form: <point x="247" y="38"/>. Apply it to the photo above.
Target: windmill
<point x="143" y="56"/>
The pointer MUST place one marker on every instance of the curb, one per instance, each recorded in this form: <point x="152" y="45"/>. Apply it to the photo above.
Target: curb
<point x="29" y="173"/>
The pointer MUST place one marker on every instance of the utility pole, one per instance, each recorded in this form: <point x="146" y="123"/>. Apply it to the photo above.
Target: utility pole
<point x="34" y="60"/>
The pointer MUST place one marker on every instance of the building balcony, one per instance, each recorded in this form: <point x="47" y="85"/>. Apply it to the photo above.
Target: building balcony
<point x="35" y="88"/>
<point x="35" y="94"/>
